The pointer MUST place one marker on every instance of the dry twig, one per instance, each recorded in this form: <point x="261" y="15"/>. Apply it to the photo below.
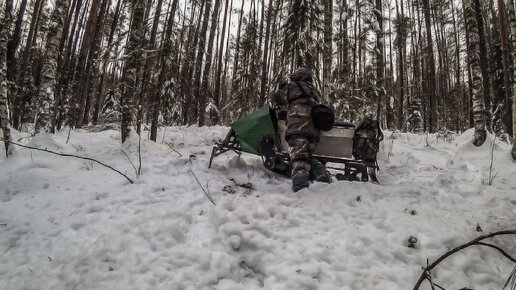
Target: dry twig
<point x="135" y="170"/>
<point x="205" y="192"/>
<point x="71" y="155"/>
<point x="477" y="241"/>
<point x="171" y="147"/>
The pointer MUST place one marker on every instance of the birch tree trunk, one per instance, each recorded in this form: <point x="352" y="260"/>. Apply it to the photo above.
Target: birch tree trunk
<point x="4" y="109"/>
<point x="474" y="62"/>
<point x="512" y="18"/>
<point x="48" y="73"/>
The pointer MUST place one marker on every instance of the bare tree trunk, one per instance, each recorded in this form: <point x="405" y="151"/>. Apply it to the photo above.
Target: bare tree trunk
<point x="264" y="85"/>
<point x="474" y="62"/>
<point x="203" y="93"/>
<point x="432" y="121"/>
<point x="165" y="53"/>
<point x="12" y="46"/>
<point x="129" y="83"/>
<point x="21" y="101"/>
<point x="188" y="64"/>
<point x="198" y="66"/>
<point x="4" y="108"/>
<point x="48" y="74"/>
<point x="401" y="61"/>
<point x="148" y="67"/>
<point x="389" y="108"/>
<point x="328" y="41"/>
<point x="83" y="66"/>
<point x="507" y="118"/>
<point x="237" y="49"/>
<point x="218" y="75"/>
<point x="484" y="66"/>
<point x="105" y="61"/>
<point x="92" y="67"/>
<point x="512" y="18"/>
<point x="379" y="58"/>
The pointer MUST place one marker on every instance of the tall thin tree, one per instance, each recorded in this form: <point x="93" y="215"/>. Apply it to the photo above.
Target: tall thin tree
<point x="129" y="83"/>
<point x="48" y="74"/>
<point x="474" y="62"/>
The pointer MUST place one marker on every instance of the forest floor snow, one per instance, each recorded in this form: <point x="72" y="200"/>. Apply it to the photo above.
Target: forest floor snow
<point x="67" y="223"/>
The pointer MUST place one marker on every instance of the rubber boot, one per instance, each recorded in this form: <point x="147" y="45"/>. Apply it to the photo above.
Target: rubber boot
<point x="319" y="172"/>
<point x="300" y="181"/>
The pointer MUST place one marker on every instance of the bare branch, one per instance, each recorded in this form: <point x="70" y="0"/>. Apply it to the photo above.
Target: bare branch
<point x="135" y="170"/>
<point x="499" y="250"/>
<point x="71" y="155"/>
<point x="473" y="242"/>
<point x="171" y="147"/>
<point x="198" y="182"/>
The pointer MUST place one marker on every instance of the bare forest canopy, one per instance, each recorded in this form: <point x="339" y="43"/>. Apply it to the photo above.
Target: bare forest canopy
<point x="417" y="65"/>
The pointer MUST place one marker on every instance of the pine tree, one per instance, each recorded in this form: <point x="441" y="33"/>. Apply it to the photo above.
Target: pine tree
<point x="302" y="25"/>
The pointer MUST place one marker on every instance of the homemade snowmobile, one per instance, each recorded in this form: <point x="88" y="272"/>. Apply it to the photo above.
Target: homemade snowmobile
<point x="262" y="133"/>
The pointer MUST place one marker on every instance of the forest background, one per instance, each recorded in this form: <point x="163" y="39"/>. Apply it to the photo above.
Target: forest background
<point x="416" y="65"/>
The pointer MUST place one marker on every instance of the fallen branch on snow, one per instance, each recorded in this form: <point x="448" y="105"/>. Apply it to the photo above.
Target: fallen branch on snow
<point x="205" y="192"/>
<point x="171" y="147"/>
<point x="70" y="155"/>
<point x="477" y="241"/>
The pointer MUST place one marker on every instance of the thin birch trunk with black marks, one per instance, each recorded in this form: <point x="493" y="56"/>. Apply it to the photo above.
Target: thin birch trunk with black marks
<point x="507" y="116"/>
<point x="474" y="63"/>
<point x="48" y="74"/>
<point x="4" y="108"/>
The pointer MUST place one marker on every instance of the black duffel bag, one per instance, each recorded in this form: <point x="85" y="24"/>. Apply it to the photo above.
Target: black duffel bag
<point x="323" y="117"/>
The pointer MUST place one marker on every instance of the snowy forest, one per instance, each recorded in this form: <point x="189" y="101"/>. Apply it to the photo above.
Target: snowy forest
<point x="418" y="66"/>
<point x="109" y="110"/>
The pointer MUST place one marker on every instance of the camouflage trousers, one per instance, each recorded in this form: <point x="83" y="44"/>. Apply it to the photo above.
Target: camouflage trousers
<point x="301" y="149"/>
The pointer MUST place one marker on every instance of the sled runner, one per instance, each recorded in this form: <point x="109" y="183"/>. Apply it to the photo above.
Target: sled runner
<point x="262" y="133"/>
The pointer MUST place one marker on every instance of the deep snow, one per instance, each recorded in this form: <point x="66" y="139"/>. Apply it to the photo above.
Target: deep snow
<point x="67" y="223"/>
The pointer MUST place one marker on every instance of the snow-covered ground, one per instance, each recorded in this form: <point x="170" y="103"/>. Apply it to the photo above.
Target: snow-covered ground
<point x="67" y="223"/>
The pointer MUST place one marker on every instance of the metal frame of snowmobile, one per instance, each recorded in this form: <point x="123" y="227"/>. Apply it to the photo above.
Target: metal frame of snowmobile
<point x="274" y="151"/>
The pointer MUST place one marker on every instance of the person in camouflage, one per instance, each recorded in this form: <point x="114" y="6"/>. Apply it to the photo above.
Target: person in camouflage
<point x="302" y="136"/>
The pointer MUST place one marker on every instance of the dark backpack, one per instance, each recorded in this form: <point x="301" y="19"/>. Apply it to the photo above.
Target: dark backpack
<point x="366" y="142"/>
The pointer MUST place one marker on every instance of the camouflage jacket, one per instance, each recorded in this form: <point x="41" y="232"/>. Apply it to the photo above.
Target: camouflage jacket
<point x="301" y="96"/>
